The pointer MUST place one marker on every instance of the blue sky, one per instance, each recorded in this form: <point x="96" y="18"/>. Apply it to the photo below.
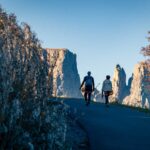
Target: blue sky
<point x="102" y="33"/>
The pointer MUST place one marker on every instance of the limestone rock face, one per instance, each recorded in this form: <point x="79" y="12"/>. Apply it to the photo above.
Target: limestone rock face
<point x="27" y="119"/>
<point x="119" y="84"/>
<point x="140" y="87"/>
<point x="66" y="80"/>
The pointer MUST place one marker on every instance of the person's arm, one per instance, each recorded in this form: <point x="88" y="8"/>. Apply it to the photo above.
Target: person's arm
<point x="82" y="83"/>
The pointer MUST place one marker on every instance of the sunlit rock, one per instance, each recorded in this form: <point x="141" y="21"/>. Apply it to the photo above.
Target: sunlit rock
<point x="140" y="87"/>
<point x="120" y="89"/>
<point x="66" y="80"/>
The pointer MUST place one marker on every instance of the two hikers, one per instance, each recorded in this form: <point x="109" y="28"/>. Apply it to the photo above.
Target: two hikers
<point x="89" y="86"/>
<point x="107" y="89"/>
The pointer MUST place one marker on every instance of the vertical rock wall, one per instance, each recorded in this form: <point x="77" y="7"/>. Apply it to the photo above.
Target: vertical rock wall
<point x="119" y="84"/>
<point x="140" y="87"/>
<point x="27" y="119"/>
<point x="66" y="80"/>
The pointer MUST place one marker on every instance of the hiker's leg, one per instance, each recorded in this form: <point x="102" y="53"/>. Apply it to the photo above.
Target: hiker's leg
<point x="85" y="96"/>
<point x="89" y="94"/>
<point x="106" y="98"/>
<point x="89" y="97"/>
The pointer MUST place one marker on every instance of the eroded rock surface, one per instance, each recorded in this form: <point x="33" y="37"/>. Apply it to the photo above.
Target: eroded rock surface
<point x="120" y="89"/>
<point x="140" y="87"/>
<point x="66" y="80"/>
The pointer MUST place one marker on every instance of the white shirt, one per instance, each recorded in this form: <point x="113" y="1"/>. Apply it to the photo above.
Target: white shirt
<point x="107" y="85"/>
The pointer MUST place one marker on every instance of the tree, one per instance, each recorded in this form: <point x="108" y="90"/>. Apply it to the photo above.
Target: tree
<point x="146" y="50"/>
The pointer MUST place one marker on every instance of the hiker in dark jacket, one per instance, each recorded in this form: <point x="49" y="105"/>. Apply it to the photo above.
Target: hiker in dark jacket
<point x="89" y="86"/>
<point x="107" y="89"/>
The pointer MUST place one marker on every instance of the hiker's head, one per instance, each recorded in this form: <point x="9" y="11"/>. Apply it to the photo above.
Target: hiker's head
<point x="89" y="73"/>
<point x="108" y="77"/>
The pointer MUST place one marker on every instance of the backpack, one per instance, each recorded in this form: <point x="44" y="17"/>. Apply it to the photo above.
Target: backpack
<point x="88" y="81"/>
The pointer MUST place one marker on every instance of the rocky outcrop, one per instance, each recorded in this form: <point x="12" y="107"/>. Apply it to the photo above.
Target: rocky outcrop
<point x="140" y="87"/>
<point x="120" y="89"/>
<point x="27" y="119"/>
<point x="66" y="80"/>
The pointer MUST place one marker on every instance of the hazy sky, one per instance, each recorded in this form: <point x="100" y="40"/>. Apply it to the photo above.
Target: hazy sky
<point x="102" y="33"/>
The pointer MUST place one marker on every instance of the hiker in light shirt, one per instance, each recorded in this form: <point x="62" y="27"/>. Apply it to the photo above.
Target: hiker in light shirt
<point x="107" y="89"/>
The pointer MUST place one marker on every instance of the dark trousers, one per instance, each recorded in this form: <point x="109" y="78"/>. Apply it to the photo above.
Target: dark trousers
<point x="87" y="96"/>
<point x="106" y="97"/>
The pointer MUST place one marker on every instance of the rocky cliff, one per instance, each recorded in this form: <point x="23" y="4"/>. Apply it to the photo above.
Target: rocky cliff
<point x="119" y="84"/>
<point x="140" y="87"/>
<point x="28" y="118"/>
<point x="66" y="80"/>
